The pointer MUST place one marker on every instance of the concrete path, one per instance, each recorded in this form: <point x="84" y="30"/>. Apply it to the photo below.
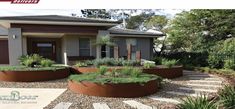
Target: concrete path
<point x="63" y="105"/>
<point x="100" y="106"/>
<point x="162" y="99"/>
<point x="137" y="105"/>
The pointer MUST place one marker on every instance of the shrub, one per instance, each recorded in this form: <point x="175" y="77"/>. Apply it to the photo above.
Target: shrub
<point x="157" y="60"/>
<point x="30" y="60"/>
<point x="46" y="63"/>
<point x="35" y="60"/>
<point x="135" y="72"/>
<point x="102" y="70"/>
<point x="149" y="65"/>
<point x="229" y="64"/>
<point x="81" y="64"/>
<point x="227" y="97"/>
<point x="126" y="70"/>
<point x="130" y="63"/>
<point x="169" y="63"/>
<point x="223" y="50"/>
<point x="115" y="62"/>
<point x="197" y="103"/>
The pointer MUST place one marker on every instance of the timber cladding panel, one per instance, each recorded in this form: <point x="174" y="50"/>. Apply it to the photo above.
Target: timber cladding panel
<point x="4" y="56"/>
<point x="58" y="28"/>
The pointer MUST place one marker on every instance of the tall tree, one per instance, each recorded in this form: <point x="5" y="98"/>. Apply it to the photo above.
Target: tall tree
<point x="198" y="30"/>
<point x="96" y="13"/>
<point x="134" y="22"/>
<point x="159" y="23"/>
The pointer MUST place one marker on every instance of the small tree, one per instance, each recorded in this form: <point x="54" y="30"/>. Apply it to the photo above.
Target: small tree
<point x="105" y="40"/>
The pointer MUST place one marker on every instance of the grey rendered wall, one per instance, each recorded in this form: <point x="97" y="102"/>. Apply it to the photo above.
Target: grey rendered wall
<point x="15" y="45"/>
<point x="72" y="45"/>
<point x="121" y="42"/>
<point x="143" y="44"/>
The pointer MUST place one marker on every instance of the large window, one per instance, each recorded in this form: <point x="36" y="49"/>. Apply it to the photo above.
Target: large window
<point x="84" y="47"/>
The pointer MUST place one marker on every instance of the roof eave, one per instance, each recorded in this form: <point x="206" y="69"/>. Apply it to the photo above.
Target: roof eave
<point x="135" y="35"/>
<point x="59" y="23"/>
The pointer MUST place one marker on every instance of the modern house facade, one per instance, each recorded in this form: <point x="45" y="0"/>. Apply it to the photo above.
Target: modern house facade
<point x="63" y="38"/>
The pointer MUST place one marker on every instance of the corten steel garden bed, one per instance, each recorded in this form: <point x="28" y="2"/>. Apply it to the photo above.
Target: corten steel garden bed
<point x="33" y="76"/>
<point x="170" y="73"/>
<point x="126" y="90"/>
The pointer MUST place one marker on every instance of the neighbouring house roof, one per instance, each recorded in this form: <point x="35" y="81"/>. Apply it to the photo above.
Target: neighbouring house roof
<point x="3" y="31"/>
<point x="133" y="33"/>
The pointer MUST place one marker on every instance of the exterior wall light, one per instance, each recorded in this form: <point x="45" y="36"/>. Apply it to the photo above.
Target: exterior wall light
<point x="14" y="36"/>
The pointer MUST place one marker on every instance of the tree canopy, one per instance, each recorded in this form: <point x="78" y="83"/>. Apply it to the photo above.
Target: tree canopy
<point x="196" y="30"/>
<point x="96" y="13"/>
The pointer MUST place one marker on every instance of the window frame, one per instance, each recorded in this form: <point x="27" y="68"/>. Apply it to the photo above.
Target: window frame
<point x="80" y="49"/>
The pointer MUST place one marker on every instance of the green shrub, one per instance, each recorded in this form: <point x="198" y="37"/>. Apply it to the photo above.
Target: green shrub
<point x="227" y="97"/>
<point x="130" y="63"/>
<point x="115" y="62"/>
<point x="81" y="64"/>
<point x="126" y="70"/>
<point x="135" y="72"/>
<point x="223" y="50"/>
<point x="197" y="103"/>
<point x="102" y="70"/>
<point x="89" y="62"/>
<point x="169" y="63"/>
<point x="46" y="63"/>
<point x="149" y="65"/>
<point x="157" y="60"/>
<point x="30" y="60"/>
<point x="229" y="64"/>
<point x="215" y="60"/>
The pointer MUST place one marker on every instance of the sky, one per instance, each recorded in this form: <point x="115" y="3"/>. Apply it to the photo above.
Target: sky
<point x="66" y="12"/>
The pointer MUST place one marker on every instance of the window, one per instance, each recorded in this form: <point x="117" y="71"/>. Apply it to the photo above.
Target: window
<point x="84" y="47"/>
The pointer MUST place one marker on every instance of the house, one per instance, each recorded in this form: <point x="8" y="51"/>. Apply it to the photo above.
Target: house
<point x="64" y="38"/>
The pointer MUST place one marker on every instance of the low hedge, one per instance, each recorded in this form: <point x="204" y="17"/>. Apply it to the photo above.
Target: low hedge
<point x="24" y="68"/>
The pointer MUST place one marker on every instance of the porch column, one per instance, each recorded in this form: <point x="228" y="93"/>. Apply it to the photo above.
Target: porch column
<point x="15" y="45"/>
<point x="116" y="52"/>
<point x="101" y="33"/>
<point x="129" y="49"/>
<point x="64" y="51"/>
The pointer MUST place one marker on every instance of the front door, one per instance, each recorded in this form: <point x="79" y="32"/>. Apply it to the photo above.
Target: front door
<point x="45" y="49"/>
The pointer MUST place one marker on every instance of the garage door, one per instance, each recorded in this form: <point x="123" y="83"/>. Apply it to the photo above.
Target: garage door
<point x="4" y="55"/>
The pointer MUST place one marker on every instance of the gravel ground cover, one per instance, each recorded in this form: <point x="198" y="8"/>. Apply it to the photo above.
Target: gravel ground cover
<point x="85" y="102"/>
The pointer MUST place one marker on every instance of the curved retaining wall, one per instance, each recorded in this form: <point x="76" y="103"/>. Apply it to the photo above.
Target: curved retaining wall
<point x="114" y="90"/>
<point x="170" y="73"/>
<point x="32" y="76"/>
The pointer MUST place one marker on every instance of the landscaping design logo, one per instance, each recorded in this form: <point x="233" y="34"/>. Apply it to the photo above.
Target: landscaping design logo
<point x="21" y="1"/>
<point x="16" y="97"/>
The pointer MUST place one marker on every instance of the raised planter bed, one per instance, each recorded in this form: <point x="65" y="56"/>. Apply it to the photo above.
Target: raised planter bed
<point x="114" y="90"/>
<point x="170" y="73"/>
<point x="34" y="75"/>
